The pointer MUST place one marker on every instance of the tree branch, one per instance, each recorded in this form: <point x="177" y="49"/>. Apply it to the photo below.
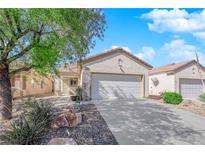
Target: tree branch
<point x="37" y="35"/>
<point x="4" y="34"/>
<point x="10" y="22"/>
<point x="24" y="51"/>
<point x="1" y="48"/>
<point x="12" y="43"/>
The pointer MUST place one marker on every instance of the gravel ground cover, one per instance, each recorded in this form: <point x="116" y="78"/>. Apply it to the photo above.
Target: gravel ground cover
<point x="93" y="129"/>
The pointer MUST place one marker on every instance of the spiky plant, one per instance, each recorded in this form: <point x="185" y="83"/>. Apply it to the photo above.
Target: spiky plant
<point x="31" y="127"/>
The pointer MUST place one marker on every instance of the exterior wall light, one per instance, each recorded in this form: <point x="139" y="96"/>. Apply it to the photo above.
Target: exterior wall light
<point x="120" y="63"/>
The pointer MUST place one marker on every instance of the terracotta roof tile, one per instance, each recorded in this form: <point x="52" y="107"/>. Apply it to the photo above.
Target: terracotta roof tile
<point x="112" y="51"/>
<point x="68" y="68"/>
<point x="171" y="67"/>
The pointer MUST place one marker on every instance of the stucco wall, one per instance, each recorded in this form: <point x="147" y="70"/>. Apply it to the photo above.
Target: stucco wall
<point x="109" y="64"/>
<point x="166" y="83"/>
<point x="171" y="82"/>
<point x="190" y="72"/>
<point x="59" y="83"/>
<point x="37" y="88"/>
<point x="86" y="83"/>
<point x="18" y="90"/>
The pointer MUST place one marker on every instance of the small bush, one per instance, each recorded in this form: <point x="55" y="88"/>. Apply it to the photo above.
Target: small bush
<point x="202" y="97"/>
<point x="31" y="127"/>
<point x="39" y="111"/>
<point x="78" y="94"/>
<point x="172" y="97"/>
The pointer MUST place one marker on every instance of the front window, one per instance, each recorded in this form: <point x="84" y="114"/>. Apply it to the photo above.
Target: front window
<point x="74" y="82"/>
<point x="24" y="82"/>
<point x="42" y="84"/>
<point x="33" y="83"/>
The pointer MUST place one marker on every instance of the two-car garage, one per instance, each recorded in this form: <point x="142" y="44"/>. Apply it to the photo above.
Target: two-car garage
<point x="116" y="86"/>
<point x="115" y="74"/>
<point x="190" y="88"/>
<point x="184" y="78"/>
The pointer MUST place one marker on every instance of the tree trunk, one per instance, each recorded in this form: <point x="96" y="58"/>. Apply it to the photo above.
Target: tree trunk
<point x="5" y="92"/>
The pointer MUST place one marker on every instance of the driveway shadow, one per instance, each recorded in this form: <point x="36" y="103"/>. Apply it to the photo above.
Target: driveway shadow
<point x="141" y="122"/>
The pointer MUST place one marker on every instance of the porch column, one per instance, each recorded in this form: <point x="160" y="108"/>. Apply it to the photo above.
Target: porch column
<point x="86" y="83"/>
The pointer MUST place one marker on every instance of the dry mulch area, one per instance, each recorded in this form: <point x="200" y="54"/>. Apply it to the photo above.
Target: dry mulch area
<point x="92" y="131"/>
<point x="196" y="106"/>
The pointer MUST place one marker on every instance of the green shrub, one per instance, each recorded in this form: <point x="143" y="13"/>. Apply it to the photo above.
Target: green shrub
<point x="78" y="94"/>
<point x="202" y="97"/>
<point x="172" y="97"/>
<point x="31" y="127"/>
<point x="39" y="111"/>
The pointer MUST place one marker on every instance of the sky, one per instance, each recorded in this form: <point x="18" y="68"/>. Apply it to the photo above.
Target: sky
<point x="158" y="36"/>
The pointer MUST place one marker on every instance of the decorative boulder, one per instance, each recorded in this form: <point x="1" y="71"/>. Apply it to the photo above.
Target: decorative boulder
<point x="71" y="118"/>
<point x="161" y="101"/>
<point x="79" y="118"/>
<point x="60" y="122"/>
<point x="62" y="141"/>
<point x="67" y="119"/>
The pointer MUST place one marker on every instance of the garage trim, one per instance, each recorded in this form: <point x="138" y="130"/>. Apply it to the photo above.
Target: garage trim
<point x="187" y="78"/>
<point x="142" y="83"/>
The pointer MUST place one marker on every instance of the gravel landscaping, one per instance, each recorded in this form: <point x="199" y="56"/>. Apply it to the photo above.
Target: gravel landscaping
<point x="194" y="106"/>
<point x="93" y="129"/>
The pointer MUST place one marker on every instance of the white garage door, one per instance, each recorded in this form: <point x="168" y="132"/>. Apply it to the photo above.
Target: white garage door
<point x="190" y="88"/>
<point x="108" y="86"/>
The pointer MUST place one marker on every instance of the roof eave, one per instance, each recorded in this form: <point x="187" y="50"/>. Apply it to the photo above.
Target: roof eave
<point x="164" y="72"/>
<point x="110" y="52"/>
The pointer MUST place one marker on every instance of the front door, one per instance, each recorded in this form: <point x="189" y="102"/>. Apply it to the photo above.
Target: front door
<point x="65" y="86"/>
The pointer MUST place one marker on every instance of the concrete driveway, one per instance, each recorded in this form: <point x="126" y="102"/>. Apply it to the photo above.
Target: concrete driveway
<point x="146" y="122"/>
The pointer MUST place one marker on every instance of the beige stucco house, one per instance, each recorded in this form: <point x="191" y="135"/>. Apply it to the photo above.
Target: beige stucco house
<point x="30" y="84"/>
<point x="110" y="75"/>
<point x="184" y="77"/>
<point x="68" y="80"/>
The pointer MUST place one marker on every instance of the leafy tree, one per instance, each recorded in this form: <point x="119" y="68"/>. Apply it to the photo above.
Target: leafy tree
<point x="40" y="38"/>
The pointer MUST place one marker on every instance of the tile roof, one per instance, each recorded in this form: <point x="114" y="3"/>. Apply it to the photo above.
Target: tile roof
<point x="115" y="50"/>
<point x="171" y="67"/>
<point x="68" y="68"/>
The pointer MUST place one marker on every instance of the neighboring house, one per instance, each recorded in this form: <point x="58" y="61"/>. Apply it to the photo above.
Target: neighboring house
<point x="182" y="77"/>
<point x="68" y="81"/>
<point x="109" y="75"/>
<point x="30" y="84"/>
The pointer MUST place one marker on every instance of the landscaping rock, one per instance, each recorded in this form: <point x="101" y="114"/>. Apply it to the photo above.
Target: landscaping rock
<point x="67" y="119"/>
<point x="91" y="127"/>
<point x="79" y="118"/>
<point x="60" y="122"/>
<point x="161" y="101"/>
<point x="71" y="118"/>
<point x="62" y="141"/>
<point x="195" y="106"/>
<point x="91" y="130"/>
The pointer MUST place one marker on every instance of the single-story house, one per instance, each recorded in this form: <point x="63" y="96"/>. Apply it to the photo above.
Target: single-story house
<point x="185" y="78"/>
<point x="68" y="81"/>
<point x="30" y="84"/>
<point x="114" y="74"/>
